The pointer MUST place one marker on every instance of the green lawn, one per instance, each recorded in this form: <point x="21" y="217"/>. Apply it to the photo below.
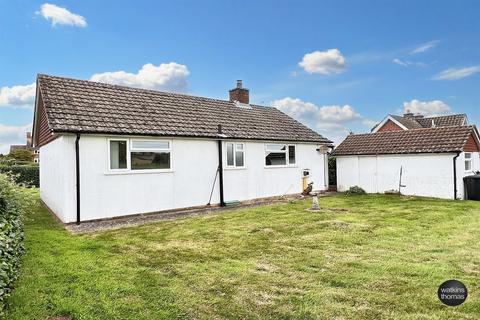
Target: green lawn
<point x="362" y="257"/>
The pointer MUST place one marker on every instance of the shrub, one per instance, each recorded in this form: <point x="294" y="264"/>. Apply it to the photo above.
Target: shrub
<point x="27" y="175"/>
<point x="355" y="190"/>
<point x="13" y="203"/>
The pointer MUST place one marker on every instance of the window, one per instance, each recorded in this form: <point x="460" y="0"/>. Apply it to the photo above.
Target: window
<point x="150" y="154"/>
<point x="280" y="155"/>
<point x="127" y="155"/>
<point x="235" y="155"/>
<point x="468" y="161"/>
<point x="118" y="154"/>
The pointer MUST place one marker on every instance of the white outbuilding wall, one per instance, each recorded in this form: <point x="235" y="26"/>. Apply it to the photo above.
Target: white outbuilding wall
<point x="57" y="176"/>
<point x="105" y="194"/>
<point x="429" y="175"/>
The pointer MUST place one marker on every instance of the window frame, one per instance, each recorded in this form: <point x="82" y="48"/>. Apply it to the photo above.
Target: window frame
<point x="286" y="152"/>
<point x="468" y="160"/>
<point x="129" y="142"/>
<point x="109" y="155"/>
<point x="234" y="166"/>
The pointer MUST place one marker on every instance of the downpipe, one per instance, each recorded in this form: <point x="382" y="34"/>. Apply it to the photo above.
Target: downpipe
<point x="77" y="171"/>
<point x="455" y="189"/>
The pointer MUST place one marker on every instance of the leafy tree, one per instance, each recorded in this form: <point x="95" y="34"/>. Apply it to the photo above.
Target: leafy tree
<point x="21" y="155"/>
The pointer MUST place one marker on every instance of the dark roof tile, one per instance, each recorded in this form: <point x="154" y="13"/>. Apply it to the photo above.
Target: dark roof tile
<point x="85" y="106"/>
<point x="427" y="140"/>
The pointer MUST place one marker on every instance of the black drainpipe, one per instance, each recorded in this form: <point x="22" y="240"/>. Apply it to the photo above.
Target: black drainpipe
<point x="455" y="176"/>
<point x="77" y="166"/>
<point x="220" y="166"/>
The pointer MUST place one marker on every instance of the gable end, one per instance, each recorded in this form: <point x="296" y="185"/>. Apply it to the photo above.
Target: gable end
<point x="389" y="126"/>
<point x="42" y="132"/>
<point x="471" y="145"/>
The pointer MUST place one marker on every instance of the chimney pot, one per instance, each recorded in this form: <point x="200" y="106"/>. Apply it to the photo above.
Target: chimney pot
<point x="239" y="84"/>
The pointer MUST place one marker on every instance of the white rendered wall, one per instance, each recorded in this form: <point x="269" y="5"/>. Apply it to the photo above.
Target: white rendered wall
<point x="429" y="175"/>
<point x="194" y="162"/>
<point x="57" y="177"/>
<point x="257" y="180"/>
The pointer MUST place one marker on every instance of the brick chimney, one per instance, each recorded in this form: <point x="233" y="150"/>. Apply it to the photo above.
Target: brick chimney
<point x="409" y="115"/>
<point x="239" y="94"/>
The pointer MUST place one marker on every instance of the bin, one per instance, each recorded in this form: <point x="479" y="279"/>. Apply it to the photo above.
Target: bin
<point x="472" y="187"/>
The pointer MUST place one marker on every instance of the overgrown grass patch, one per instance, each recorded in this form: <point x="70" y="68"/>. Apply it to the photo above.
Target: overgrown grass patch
<point x="362" y="257"/>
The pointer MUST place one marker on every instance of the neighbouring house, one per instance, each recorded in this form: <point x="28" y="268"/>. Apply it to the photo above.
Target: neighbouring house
<point x="110" y="151"/>
<point x="28" y="146"/>
<point x="413" y="155"/>
<point x="410" y="121"/>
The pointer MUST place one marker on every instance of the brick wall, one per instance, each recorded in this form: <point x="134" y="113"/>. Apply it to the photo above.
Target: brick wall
<point x="471" y="145"/>
<point x="390" y="126"/>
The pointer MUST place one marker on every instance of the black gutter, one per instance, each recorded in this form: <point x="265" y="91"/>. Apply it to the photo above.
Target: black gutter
<point x="77" y="169"/>
<point x="220" y="166"/>
<point x="455" y="190"/>
<point x="328" y="143"/>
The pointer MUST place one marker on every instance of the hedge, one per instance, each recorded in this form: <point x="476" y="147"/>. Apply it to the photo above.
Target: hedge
<point x="13" y="203"/>
<point x="28" y="175"/>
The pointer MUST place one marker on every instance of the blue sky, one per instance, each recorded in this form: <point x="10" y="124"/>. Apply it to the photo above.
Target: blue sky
<point x="337" y="66"/>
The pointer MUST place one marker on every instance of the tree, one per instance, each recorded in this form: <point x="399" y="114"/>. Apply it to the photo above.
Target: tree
<point x="21" y="155"/>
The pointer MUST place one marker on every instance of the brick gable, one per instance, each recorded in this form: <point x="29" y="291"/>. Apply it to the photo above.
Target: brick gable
<point x="471" y="145"/>
<point x="390" y="126"/>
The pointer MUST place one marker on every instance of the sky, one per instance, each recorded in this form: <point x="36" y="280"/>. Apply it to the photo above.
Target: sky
<point x="337" y="66"/>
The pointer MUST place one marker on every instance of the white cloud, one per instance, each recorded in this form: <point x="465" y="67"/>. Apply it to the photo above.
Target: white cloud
<point x="167" y="76"/>
<point x="425" y="47"/>
<point x="333" y="122"/>
<point x="12" y="135"/>
<point x="455" y="74"/>
<point x="427" y="108"/>
<point x="18" y="96"/>
<point x="324" y="62"/>
<point x="407" y="63"/>
<point x="61" y="16"/>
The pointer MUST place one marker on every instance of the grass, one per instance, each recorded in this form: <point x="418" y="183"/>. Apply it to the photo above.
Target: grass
<point x="362" y="257"/>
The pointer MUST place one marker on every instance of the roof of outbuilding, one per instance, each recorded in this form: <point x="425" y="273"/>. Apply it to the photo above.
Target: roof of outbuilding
<point x="91" y="107"/>
<point x="427" y="140"/>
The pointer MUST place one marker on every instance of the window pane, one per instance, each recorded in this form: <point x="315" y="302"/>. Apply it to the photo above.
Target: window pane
<point x="468" y="165"/>
<point x="230" y="154"/>
<point x="150" y="144"/>
<point x="118" y="154"/>
<point x="239" y="158"/>
<point x="239" y="146"/>
<point x="468" y="155"/>
<point x="276" y="147"/>
<point x="150" y="160"/>
<point x="291" y="154"/>
<point x="275" y="159"/>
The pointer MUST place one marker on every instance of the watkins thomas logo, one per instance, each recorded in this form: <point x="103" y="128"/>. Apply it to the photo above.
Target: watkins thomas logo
<point x="452" y="293"/>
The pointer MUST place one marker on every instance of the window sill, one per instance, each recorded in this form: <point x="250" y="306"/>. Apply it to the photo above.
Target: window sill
<point x="235" y="168"/>
<point x="127" y="172"/>
<point x="280" y="166"/>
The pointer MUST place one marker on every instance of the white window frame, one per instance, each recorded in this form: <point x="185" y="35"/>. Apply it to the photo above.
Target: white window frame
<point x="469" y="161"/>
<point x="130" y="149"/>
<point x="287" y="158"/>
<point x="235" y="144"/>
<point x="108" y="153"/>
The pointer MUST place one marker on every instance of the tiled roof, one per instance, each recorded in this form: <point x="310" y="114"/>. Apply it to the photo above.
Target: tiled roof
<point x="427" y="140"/>
<point x="90" y="107"/>
<point x="408" y="123"/>
<point x="443" y="121"/>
